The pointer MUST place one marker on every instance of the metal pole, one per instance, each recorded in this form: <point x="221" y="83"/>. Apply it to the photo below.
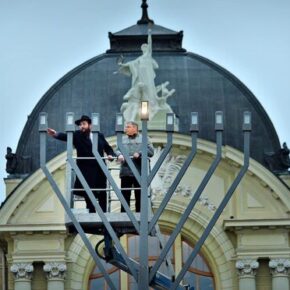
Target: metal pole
<point x="42" y="148"/>
<point x="218" y="212"/>
<point x="189" y="208"/>
<point x="161" y="158"/>
<point x="68" y="193"/>
<point x="113" y="183"/>
<point x="143" y="281"/>
<point x="174" y="185"/>
<point x="69" y="184"/>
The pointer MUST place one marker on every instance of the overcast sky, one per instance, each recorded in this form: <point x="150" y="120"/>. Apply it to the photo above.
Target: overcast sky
<point x="41" y="40"/>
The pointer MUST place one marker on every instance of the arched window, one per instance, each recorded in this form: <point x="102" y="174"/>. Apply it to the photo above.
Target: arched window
<point x="198" y="275"/>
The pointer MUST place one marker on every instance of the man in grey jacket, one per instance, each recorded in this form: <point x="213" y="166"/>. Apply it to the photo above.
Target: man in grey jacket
<point x="132" y="141"/>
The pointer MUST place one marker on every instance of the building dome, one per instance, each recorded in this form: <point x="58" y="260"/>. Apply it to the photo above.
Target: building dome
<point x="200" y="85"/>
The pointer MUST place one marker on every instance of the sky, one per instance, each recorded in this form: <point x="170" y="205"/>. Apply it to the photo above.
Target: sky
<point x="42" y="40"/>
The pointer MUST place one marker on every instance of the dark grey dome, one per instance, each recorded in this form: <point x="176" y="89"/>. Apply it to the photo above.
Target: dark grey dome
<point x="200" y="85"/>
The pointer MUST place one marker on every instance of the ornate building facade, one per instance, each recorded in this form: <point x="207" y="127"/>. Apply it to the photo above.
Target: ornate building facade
<point x="248" y="248"/>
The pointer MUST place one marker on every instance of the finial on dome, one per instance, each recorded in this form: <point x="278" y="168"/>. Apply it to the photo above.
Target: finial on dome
<point x="145" y="18"/>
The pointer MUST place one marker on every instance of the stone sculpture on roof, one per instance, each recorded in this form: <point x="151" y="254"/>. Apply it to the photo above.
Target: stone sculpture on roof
<point x="143" y="88"/>
<point x="278" y="162"/>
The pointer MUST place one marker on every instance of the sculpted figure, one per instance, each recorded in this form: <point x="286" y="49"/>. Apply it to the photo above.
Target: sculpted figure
<point x="279" y="161"/>
<point x="11" y="163"/>
<point x="165" y="93"/>
<point x="142" y="71"/>
<point x="143" y="88"/>
<point x="131" y="107"/>
<point x="284" y="156"/>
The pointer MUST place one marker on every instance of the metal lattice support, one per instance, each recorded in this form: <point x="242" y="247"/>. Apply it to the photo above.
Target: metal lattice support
<point x="142" y="224"/>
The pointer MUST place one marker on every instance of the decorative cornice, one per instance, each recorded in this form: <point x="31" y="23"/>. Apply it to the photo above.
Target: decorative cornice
<point x="247" y="267"/>
<point x="236" y="225"/>
<point x="22" y="270"/>
<point x="279" y="266"/>
<point x="55" y="270"/>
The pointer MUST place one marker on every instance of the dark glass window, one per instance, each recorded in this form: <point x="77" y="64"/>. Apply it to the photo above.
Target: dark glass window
<point x="198" y="275"/>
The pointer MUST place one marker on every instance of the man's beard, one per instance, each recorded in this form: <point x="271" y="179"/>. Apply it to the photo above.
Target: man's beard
<point x="85" y="131"/>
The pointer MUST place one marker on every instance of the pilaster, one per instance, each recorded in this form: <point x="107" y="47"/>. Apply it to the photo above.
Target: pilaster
<point x="279" y="269"/>
<point x="55" y="273"/>
<point x="247" y="270"/>
<point x="22" y="275"/>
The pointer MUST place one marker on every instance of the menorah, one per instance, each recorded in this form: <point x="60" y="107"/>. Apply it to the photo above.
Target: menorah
<point x="113" y="225"/>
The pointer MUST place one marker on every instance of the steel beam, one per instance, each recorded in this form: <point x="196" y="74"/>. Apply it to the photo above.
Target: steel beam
<point x="143" y="279"/>
<point x="174" y="185"/>
<point x="218" y="212"/>
<point x="113" y="183"/>
<point x="190" y="206"/>
<point x="161" y="158"/>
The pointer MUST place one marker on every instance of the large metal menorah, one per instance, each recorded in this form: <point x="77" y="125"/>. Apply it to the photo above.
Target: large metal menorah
<point x="143" y="224"/>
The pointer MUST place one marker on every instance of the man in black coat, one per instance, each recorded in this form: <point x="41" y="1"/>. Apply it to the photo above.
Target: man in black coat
<point x="82" y="141"/>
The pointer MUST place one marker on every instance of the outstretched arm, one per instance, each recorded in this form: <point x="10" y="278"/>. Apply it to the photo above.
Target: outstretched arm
<point x="149" y="41"/>
<point x="57" y="135"/>
<point x="51" y="132"/>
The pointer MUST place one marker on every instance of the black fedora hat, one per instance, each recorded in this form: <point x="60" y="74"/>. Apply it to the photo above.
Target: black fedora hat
<point x="83" y="118"/>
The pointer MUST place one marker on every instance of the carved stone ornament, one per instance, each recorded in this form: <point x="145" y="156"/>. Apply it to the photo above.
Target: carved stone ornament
<point x="166" y="175"/>
<point x="12" y="161"/>
<point x="247" y="267"/>
<point x="22" y="270"/>
<point x="55" y="270"/>
<point x="279" y="161"/>
<point x="279" y="266"/>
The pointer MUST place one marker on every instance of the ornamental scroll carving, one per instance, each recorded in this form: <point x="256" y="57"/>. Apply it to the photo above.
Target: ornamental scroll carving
<point x="55" y="270"/>
<point x="279" y="266"/>
<point x="166" y="175"/>
<point x="247" y="267"/>
<point x="22" y="270"/>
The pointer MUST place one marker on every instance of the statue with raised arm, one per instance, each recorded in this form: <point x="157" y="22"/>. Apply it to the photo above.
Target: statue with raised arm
<point x="143" y="88"/>
<point x="142" y="71"/>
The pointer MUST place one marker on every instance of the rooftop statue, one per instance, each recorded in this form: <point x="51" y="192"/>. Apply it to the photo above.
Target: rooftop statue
<point x="142" y="72"/>
<point x="165" y="93"/>
<point x="279" y="162"/>
<point x="284" y="156"/>
<point x="143" y="88"/>
<point x="12" y="161"/>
